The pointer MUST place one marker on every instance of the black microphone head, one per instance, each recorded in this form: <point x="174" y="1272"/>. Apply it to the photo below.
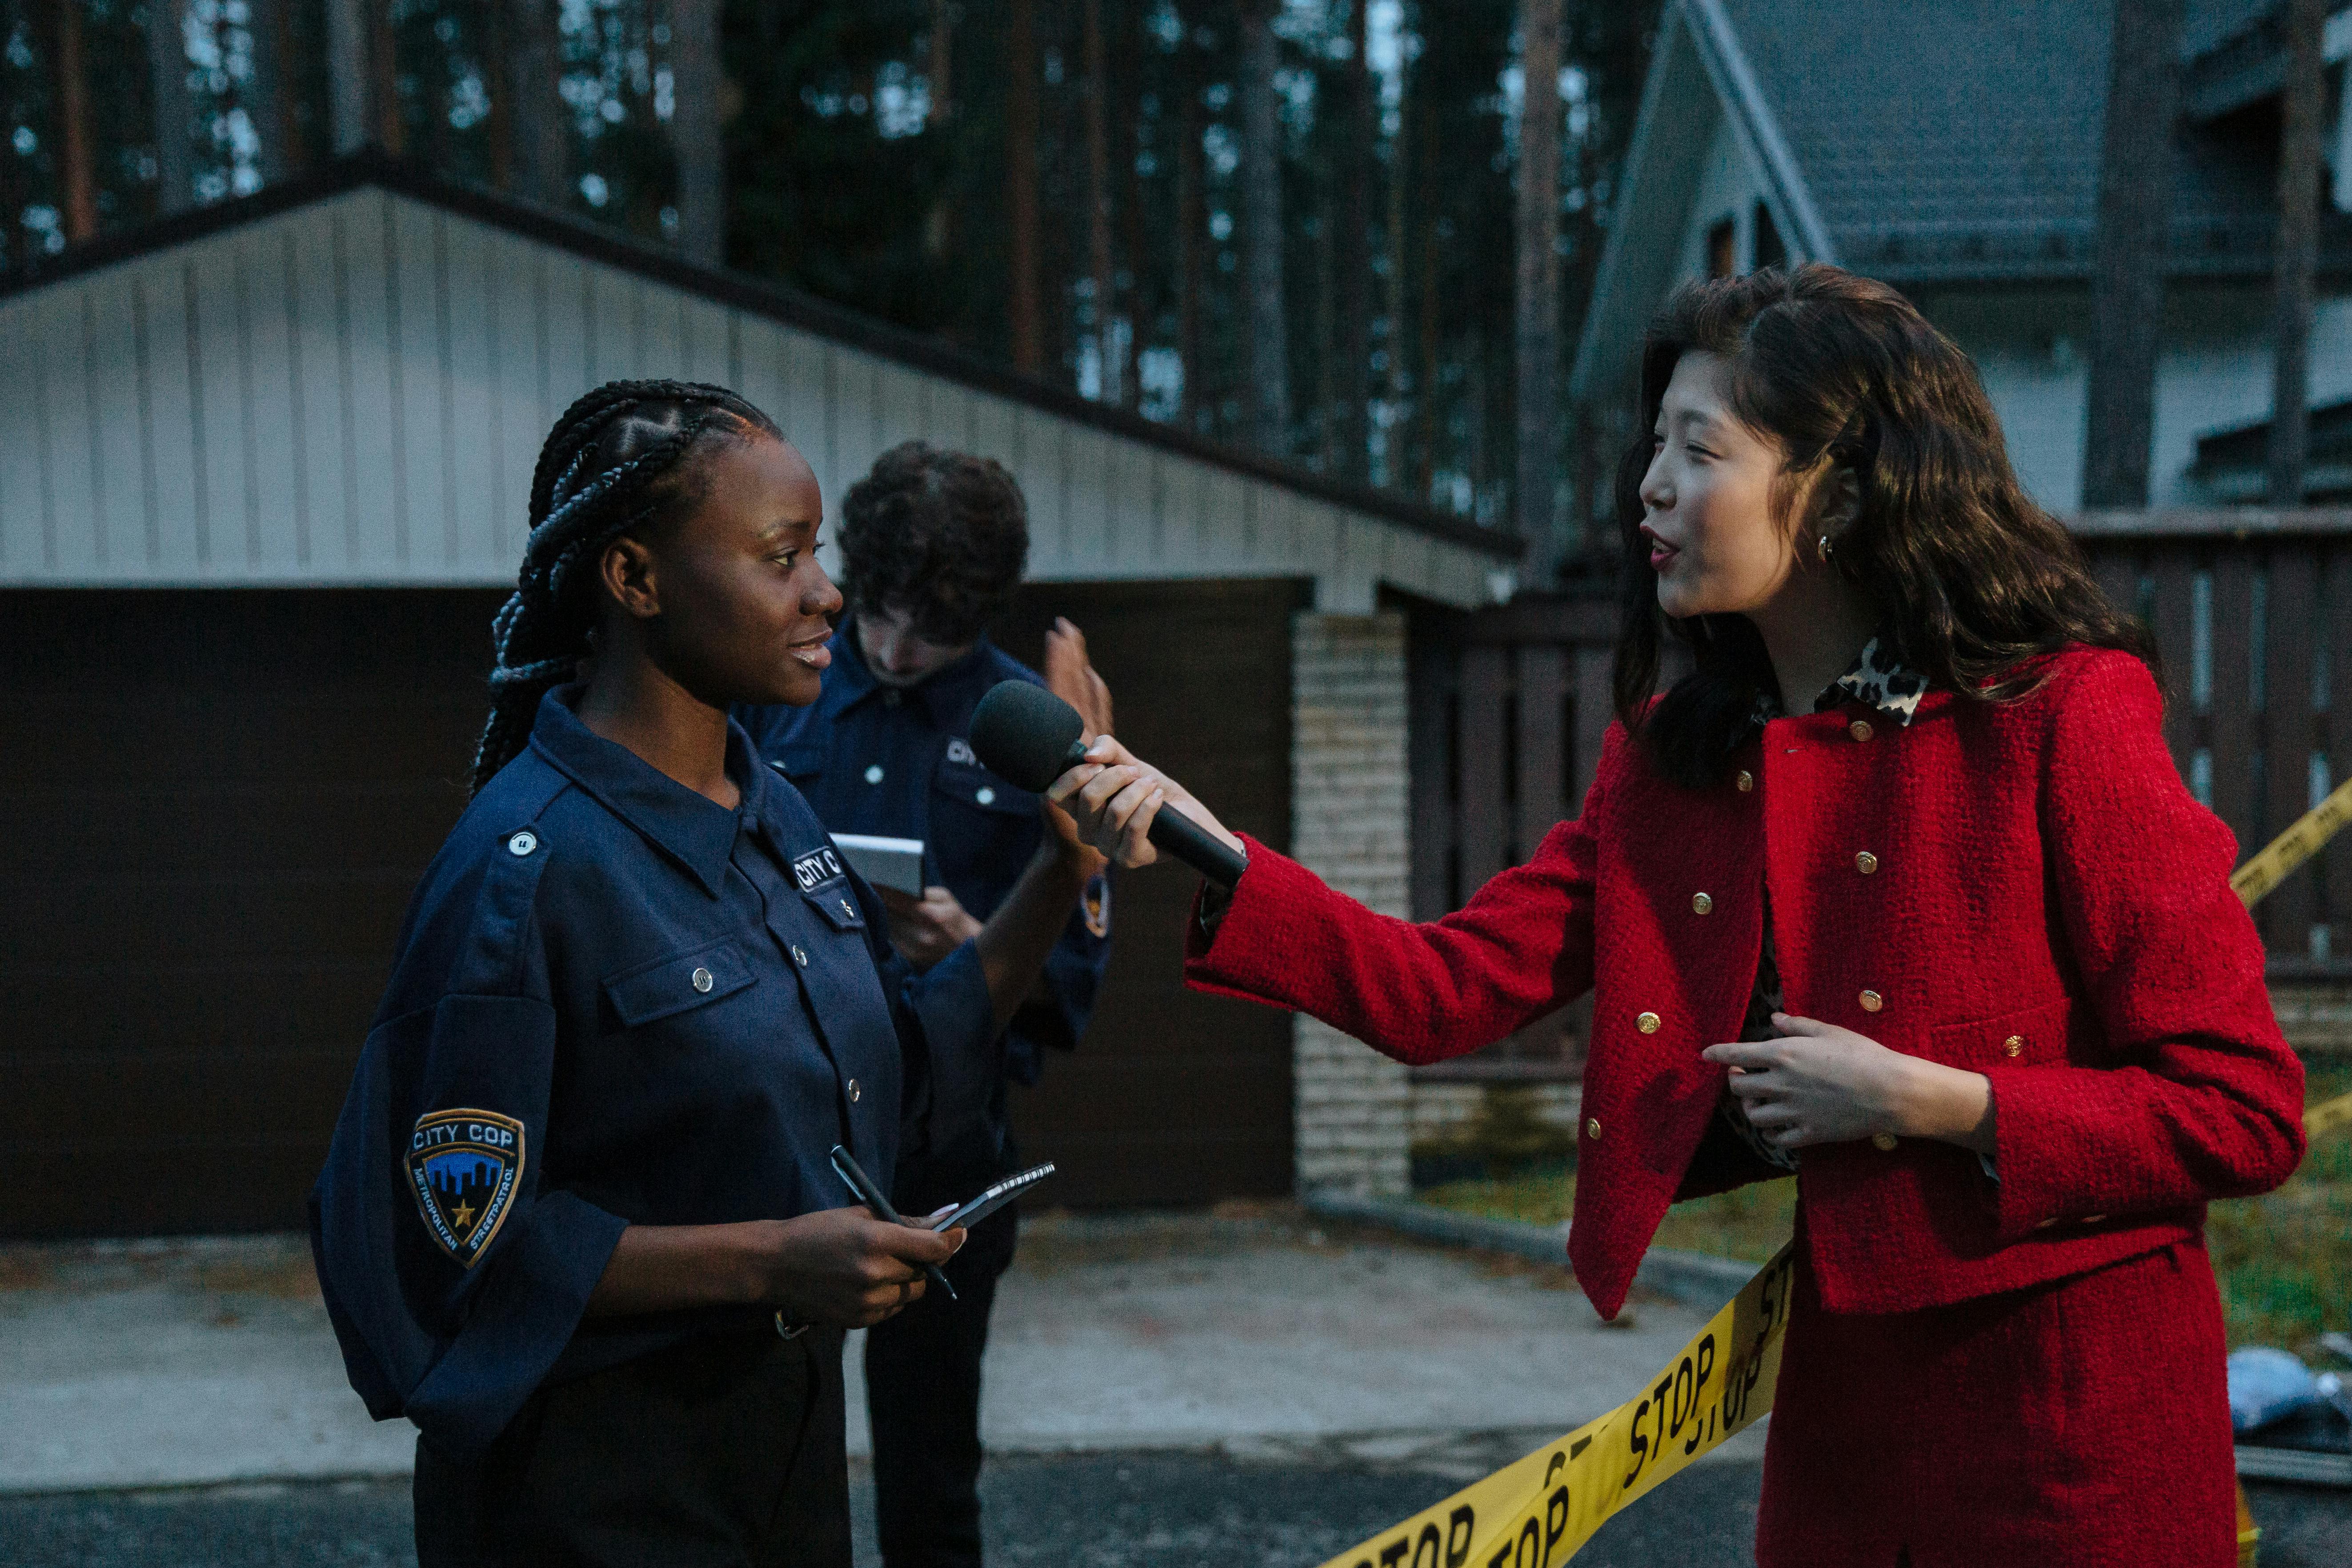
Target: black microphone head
<point x="1026" y="733"/>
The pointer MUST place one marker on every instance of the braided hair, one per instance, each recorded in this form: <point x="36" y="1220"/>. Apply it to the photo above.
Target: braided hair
<point x="615" y="463"/>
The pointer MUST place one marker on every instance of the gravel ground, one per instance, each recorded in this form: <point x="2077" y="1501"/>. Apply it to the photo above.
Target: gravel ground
<point x="1154" y="1510"/>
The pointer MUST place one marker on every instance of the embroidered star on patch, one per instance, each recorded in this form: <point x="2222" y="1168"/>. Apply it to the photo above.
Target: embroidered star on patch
<point x="464" y="1167"/>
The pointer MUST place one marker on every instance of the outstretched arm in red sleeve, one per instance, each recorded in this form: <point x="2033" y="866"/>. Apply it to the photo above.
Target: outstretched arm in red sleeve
<point x="1420" y="993"/>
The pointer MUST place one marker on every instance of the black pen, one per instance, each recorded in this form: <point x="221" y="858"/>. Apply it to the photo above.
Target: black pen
<point x="848" y="1169"/>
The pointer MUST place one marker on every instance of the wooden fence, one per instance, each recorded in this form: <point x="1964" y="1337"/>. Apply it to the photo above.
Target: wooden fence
<point x="2252" y="616"/>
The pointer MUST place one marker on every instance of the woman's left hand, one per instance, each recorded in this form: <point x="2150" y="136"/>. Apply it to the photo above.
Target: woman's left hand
<point x="1819" y="1083"/>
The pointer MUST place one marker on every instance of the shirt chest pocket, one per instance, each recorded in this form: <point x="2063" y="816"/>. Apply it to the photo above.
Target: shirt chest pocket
<point x="982" y="828"/>
<point x="966" y="784"/>
<point x="682" y="980"/>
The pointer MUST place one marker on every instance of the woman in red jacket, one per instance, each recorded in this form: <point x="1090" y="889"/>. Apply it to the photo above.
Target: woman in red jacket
<point x="1899" y="891"/>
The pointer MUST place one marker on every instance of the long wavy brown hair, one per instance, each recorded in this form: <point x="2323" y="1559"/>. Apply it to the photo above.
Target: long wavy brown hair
<point x="1971" y="580"/>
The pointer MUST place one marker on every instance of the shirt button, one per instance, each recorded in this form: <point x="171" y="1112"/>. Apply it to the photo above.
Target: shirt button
<point x="1866" y="862"/>
<point x="874" y="772"/>
<point x="1746" y="781"/>
<point x="1701" y="903"/>
<point x="853" y="1091"/>
<point x="1872" y="1001"/>
<point x="1592" y="1128"/>
<point x="1882" y="1142"/>
<point x="2014" y="1046"/>
<point x="701" y="979"/>
<point x="1859" y="729"/>
<point x="799" y="955"/>
<point x="522" y="844"/>
<point x="1648" y="1024"/>
<point x="986" y="796"/>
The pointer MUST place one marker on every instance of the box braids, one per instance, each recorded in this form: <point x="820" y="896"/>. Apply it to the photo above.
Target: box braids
<point x="612" y="465"/>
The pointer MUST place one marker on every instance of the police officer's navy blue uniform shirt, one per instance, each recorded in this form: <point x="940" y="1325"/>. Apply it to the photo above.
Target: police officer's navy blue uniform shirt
<point x="615" y="1002"/>
<point x="896" y="762"/>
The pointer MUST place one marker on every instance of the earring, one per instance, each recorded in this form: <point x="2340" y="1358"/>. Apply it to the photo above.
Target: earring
<point x="1825" y="547"/>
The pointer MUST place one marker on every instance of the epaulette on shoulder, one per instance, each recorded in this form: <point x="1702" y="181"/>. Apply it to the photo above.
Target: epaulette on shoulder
<point x="511" y="847"/>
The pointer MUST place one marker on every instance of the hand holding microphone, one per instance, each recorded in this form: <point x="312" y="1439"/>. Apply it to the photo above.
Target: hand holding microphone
<point x="1035" y="739"/>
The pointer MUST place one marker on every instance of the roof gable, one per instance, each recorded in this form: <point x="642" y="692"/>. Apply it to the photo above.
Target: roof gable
<point x="346" y="380"/>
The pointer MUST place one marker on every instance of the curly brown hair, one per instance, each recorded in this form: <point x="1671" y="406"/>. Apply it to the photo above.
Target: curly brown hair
<point x="1973" y="581"/>
<point x="937" y="536"/>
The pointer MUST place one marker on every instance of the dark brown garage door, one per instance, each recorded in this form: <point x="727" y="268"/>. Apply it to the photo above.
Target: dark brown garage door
<point x="216" y="804"/>
<point x="1173" y="1097"/>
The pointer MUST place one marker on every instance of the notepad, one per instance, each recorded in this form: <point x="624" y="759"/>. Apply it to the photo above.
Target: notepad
<point x="885" y="862"/>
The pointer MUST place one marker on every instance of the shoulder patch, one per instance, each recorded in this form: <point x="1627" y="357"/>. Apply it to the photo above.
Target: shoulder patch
<point x="464" y="1167"/>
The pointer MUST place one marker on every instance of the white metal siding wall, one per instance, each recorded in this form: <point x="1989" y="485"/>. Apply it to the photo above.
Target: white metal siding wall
<point x="354" y="393"/>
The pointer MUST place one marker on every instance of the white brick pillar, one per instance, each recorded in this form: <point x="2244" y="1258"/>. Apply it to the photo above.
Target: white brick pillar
<point x="1351" y="823"/>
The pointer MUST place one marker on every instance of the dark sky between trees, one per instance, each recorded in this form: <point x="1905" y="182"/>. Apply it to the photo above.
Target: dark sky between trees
<point x="870" y="150"/>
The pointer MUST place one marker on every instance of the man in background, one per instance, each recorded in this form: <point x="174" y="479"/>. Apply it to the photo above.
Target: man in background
<point x="933" y="544"/>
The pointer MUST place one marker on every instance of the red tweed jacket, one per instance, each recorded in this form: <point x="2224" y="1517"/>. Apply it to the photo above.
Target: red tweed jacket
<point x="2021" y="889"/>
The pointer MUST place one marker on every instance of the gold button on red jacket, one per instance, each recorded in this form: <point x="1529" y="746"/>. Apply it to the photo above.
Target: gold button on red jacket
<point x="2041" y="876"/>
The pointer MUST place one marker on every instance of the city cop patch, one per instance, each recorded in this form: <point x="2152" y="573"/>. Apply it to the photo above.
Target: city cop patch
<point x="464" y="1167"/>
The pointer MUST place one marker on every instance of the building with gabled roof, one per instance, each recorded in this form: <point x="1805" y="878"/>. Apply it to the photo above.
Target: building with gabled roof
<point x="262" y="480"/>
<point x="1953" y="149"/>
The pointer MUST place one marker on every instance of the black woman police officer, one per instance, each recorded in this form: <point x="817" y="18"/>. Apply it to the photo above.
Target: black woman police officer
<point x="578" y="1222"/>
<point x="932" y="547"/>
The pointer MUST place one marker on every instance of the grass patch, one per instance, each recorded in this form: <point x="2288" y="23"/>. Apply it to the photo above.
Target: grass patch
<point x="1750" y="1224"/>
<point x="2284" y="1258"/>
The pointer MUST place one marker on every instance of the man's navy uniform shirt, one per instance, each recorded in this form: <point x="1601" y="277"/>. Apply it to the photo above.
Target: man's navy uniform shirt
<point x="615" y="1003"/>
<point x="897" y="763"/>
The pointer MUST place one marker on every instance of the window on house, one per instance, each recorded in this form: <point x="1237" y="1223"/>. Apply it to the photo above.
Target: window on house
<point x="1723" y="249"/>
<point x="1769" y="251"/>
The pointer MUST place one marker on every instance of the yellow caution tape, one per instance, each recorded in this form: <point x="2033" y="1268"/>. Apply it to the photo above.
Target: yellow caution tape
<point x="1535" y="1513"/>
<point x="2307" y="837"/>
<point x="2327" y="1116"/>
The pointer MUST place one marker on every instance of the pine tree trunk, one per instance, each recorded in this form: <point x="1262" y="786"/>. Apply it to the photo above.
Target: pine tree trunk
<point x="351" y="78"/>
<point x="2127" y="277"/>
<point x="1424" y="390"/>
<point x="266" y="102"/>
<point x="1192" y="237"/>
<point x="1108" y="361"/>
<point x="1537" y="289"/>
<point x="1266" y="332"/>
<point x="1355" y="305"/>
<point x="77" y="157"/>
<point x="538" y="120"/>
<point x="1144" y="290"/>
<point x="1398" y="377"/>
<point x="2302" y="106"/>
<point x="1021" y="186"/>
<point x="167" y="79"/>
<point x="696" y="140"/>
<point x="384" y="73"/>
<point x="940" y="224"/>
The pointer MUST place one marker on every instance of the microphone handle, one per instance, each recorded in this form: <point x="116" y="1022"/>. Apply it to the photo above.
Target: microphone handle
<point x="1177" y="834"/>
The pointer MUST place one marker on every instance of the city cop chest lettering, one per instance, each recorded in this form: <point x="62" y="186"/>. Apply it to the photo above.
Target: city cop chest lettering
<point x="815" y="867"/>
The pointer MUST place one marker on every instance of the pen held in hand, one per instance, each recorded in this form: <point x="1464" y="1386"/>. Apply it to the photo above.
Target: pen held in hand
<point x="849" y="1171"/>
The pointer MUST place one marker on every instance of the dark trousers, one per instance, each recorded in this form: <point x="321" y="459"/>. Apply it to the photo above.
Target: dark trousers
<point x="724" y="1450"/>
<point x="922" y="1394"/>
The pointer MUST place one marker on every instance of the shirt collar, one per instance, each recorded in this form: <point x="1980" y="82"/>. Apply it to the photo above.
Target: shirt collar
<point x="1876" y="678"/>
<point x="697" y="832"/>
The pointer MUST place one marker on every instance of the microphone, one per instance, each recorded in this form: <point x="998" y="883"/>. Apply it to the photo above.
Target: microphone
<point x="1033" y="737"/>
